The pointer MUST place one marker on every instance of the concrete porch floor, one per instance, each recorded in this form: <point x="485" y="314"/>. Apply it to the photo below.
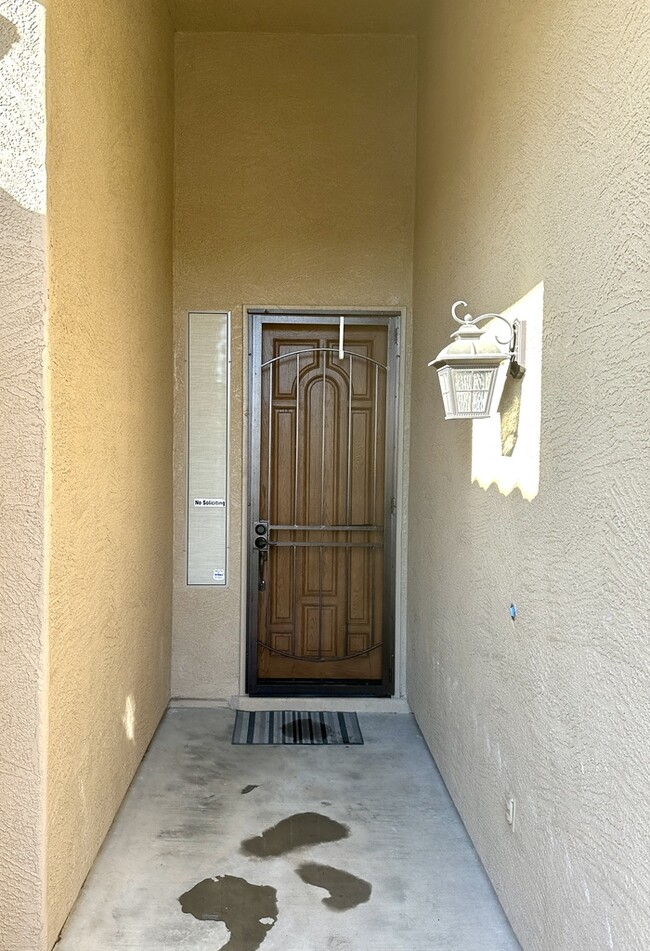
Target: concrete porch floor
<point x="196" y="798"/>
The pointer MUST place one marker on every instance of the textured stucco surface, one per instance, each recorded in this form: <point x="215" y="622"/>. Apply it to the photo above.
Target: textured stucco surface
<point x="534" y="166"/>
<point x="297" y="16"/>
<point x="110" y="194"/>
<point x="22" y="488"/>
<point x="294" y="186"/>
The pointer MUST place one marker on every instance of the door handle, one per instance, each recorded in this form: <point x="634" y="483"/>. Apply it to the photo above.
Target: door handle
<point x="261" y="543"/>
<point x="261" y="581"/>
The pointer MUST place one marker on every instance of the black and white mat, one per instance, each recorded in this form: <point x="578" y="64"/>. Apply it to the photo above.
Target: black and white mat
<point x="296" y="728"/>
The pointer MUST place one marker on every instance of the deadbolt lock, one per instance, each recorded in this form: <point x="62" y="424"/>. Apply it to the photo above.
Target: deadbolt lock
<point x="261" y="532"/>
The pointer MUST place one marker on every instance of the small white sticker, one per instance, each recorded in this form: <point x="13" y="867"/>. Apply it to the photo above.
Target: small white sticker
<point x="218" y="574"/>
<point x="210" y="503"/>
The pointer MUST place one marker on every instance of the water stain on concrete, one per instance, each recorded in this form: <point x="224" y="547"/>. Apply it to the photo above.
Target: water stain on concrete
<point x="245" y="791"/>
<point x="306" y="727"/>
<point x="294" y="832"/>
<point x="346" y="890"/>
<point x="248" y="911"/>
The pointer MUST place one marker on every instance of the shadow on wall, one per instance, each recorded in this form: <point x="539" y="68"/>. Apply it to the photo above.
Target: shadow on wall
<point x="506" y="447"/>
<point x="8" y="35"/>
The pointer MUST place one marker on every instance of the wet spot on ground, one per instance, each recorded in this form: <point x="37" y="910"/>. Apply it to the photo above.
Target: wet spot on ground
<point x="346" y="890"/>
<point x="249" y="788"/>
<point x="248" y="911"/>
<point x="294" y="832"/>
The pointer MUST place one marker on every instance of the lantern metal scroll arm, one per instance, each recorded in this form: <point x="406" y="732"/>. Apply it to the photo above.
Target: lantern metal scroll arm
<point x="515" y="341"/>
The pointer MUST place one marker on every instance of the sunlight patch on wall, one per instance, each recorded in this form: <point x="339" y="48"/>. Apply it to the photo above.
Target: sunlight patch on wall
<point x="22" y="120"/>
<point x="128" y="718"/>
<point x="506" y="447"/>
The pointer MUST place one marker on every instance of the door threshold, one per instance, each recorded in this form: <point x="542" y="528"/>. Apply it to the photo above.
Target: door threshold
<point x="327" y="704"/>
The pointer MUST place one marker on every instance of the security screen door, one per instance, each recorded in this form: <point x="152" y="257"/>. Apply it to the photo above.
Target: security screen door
<point x="321" y="505"/>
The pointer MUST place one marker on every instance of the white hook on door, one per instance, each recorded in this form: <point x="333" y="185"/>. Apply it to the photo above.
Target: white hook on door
<point x="341" y="332"/>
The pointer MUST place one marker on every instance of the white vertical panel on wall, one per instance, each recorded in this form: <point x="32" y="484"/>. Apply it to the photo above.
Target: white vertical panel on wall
<point x="208" y="373"/>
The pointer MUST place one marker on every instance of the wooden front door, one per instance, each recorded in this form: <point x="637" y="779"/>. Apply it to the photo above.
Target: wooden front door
<point x="321" y="505"/>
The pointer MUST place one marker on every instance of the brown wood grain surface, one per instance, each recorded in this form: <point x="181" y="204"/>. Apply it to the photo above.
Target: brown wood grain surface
<point x="322" y="464"/>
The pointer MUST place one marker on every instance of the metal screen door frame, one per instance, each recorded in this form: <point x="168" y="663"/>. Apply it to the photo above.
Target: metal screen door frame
<point x="320" y="687"/>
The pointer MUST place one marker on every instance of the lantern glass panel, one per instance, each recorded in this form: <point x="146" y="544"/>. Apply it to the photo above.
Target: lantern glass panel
<point x="444" y="376"/>
<point x="472" y="390"/>
<point x="463" y="380"/>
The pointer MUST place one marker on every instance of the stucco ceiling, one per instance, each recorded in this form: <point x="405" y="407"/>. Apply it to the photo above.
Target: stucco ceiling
<point x="297" y="16"/>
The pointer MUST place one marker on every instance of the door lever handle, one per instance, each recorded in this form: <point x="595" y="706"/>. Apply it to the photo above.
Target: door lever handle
<point x="261" y="582"/>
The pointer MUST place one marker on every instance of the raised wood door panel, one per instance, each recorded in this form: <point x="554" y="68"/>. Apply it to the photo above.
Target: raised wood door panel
<point x="320" y="483"/>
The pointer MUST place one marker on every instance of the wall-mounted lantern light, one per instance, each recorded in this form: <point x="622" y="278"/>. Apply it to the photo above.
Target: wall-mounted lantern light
<point x="468" y="369"/>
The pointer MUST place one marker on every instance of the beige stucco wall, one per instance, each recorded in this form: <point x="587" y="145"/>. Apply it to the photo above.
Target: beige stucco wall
<point x="22" y="486"/>
<point x="534" y="167"/>
<point x="298" y="16"/>
<point x="294" y="185"/>
<point x="110" y="169"/>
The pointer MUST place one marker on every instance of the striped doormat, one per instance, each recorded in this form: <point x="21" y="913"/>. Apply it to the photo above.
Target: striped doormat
<point x="296" y="728"/>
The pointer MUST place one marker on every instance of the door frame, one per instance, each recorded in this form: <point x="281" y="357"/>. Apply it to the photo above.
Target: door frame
<point x="392" y="679"/>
